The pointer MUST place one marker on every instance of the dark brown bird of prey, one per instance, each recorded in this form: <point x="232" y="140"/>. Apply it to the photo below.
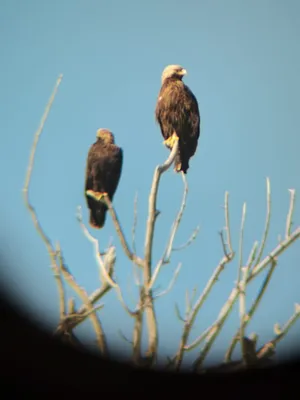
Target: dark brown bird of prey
<point x="103" y="171"/>
<point x="177" y="113"/>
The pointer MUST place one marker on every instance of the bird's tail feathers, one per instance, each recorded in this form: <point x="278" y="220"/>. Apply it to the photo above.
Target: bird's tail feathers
<point x="98" y="216"/>
<point x="179" y="164"/>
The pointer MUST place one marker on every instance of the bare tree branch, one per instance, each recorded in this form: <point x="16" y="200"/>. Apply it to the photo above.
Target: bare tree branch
<point x="165" y="259"/>
<point x="152" y="214"/>
<point x="133" y="257"/>
<point x="29" y="206"/>
<point x="60" y="286"/>
<point x="134" y="225"/>
<point x="247" y="317"/>
<point x="91" y="311"/>
<point x="274" y="254"/>
<point x="148" y="305"/>
<point x="194" y="312"/>
<point x="290" y="213"/>
<point x="177" y="312"/>
<point x="189" y="241"/>
<point x="268" y="218"/>
<point x="241" y="282"/>
<point x="225" y="311"/>
<point x="241" y="243"/>
<point x="111" y="256"/>
<point x="171" y="284"/>
<point x="269" y="348"/>
<point x="137" y="330"/>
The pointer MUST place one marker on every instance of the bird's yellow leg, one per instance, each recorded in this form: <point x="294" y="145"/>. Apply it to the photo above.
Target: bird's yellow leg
<point x="96" y="195"/>
<point x="171" y="141"/>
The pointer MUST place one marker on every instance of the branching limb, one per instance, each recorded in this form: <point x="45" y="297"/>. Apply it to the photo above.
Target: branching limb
<point x="243" y="315"/>
<point x="228" y="256"/>
<point x="152" y="213"/>
<point x="38" y="227"/>
<point x="133" y="257"/>
<point x="251" y="312"/>
<point x="165" y="259"/>
<point x="111" y="258"/>
<point x="148" y="305"/>
<point x="90" y="310"/>
<point x="225" y="311"/>
<point x="274" y="254"/>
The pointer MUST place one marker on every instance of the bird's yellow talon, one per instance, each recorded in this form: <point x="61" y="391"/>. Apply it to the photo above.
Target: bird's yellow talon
<point x="96" y="195"/>
<point x="171" y="141"/>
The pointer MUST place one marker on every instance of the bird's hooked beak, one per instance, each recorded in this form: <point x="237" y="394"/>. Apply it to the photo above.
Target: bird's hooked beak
<point x="183" y="72"/>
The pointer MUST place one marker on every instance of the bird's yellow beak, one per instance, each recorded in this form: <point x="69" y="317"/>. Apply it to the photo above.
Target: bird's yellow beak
<point x="183" y="72"/>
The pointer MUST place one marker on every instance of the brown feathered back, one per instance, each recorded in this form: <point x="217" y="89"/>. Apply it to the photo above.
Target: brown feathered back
<point x="103" y="171"/>
<point x="177" y="111"/>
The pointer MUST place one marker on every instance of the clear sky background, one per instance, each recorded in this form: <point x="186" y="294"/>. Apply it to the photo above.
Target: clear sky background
<point x="243" y="63"/>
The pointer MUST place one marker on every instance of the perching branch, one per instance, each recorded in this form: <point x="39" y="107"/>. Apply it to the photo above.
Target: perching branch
<point x="165" y="259"/>
<point x="148" y="305"/>
<point x="152" y="214"/>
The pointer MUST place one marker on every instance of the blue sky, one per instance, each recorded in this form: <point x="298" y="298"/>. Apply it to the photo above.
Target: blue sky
<point x="243" y="62"/>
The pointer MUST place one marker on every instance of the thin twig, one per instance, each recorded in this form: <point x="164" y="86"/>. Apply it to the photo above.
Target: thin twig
<point x="111" y="256"/>
<point x="268" y="349"/>
<point x="189" y="241"/>
<point x="133" y="257"/>
<point x="124" y="337"/>
<point x="290" y="213"/>
<point x="29" y="206"/>
<point x="165" y="259"/>
<point x="227" y="224"/>
<point x="134" y="225"/>
<point x="60" y="286"/>
<point x="268" y="218"/>
<point x="177" y="312"/>
<point x="171" y="284"/>
<point x="241" y="243"/>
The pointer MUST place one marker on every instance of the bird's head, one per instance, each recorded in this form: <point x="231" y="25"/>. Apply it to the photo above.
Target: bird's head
<point x="173" y="71"/>
<point x="105" y="135"/>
